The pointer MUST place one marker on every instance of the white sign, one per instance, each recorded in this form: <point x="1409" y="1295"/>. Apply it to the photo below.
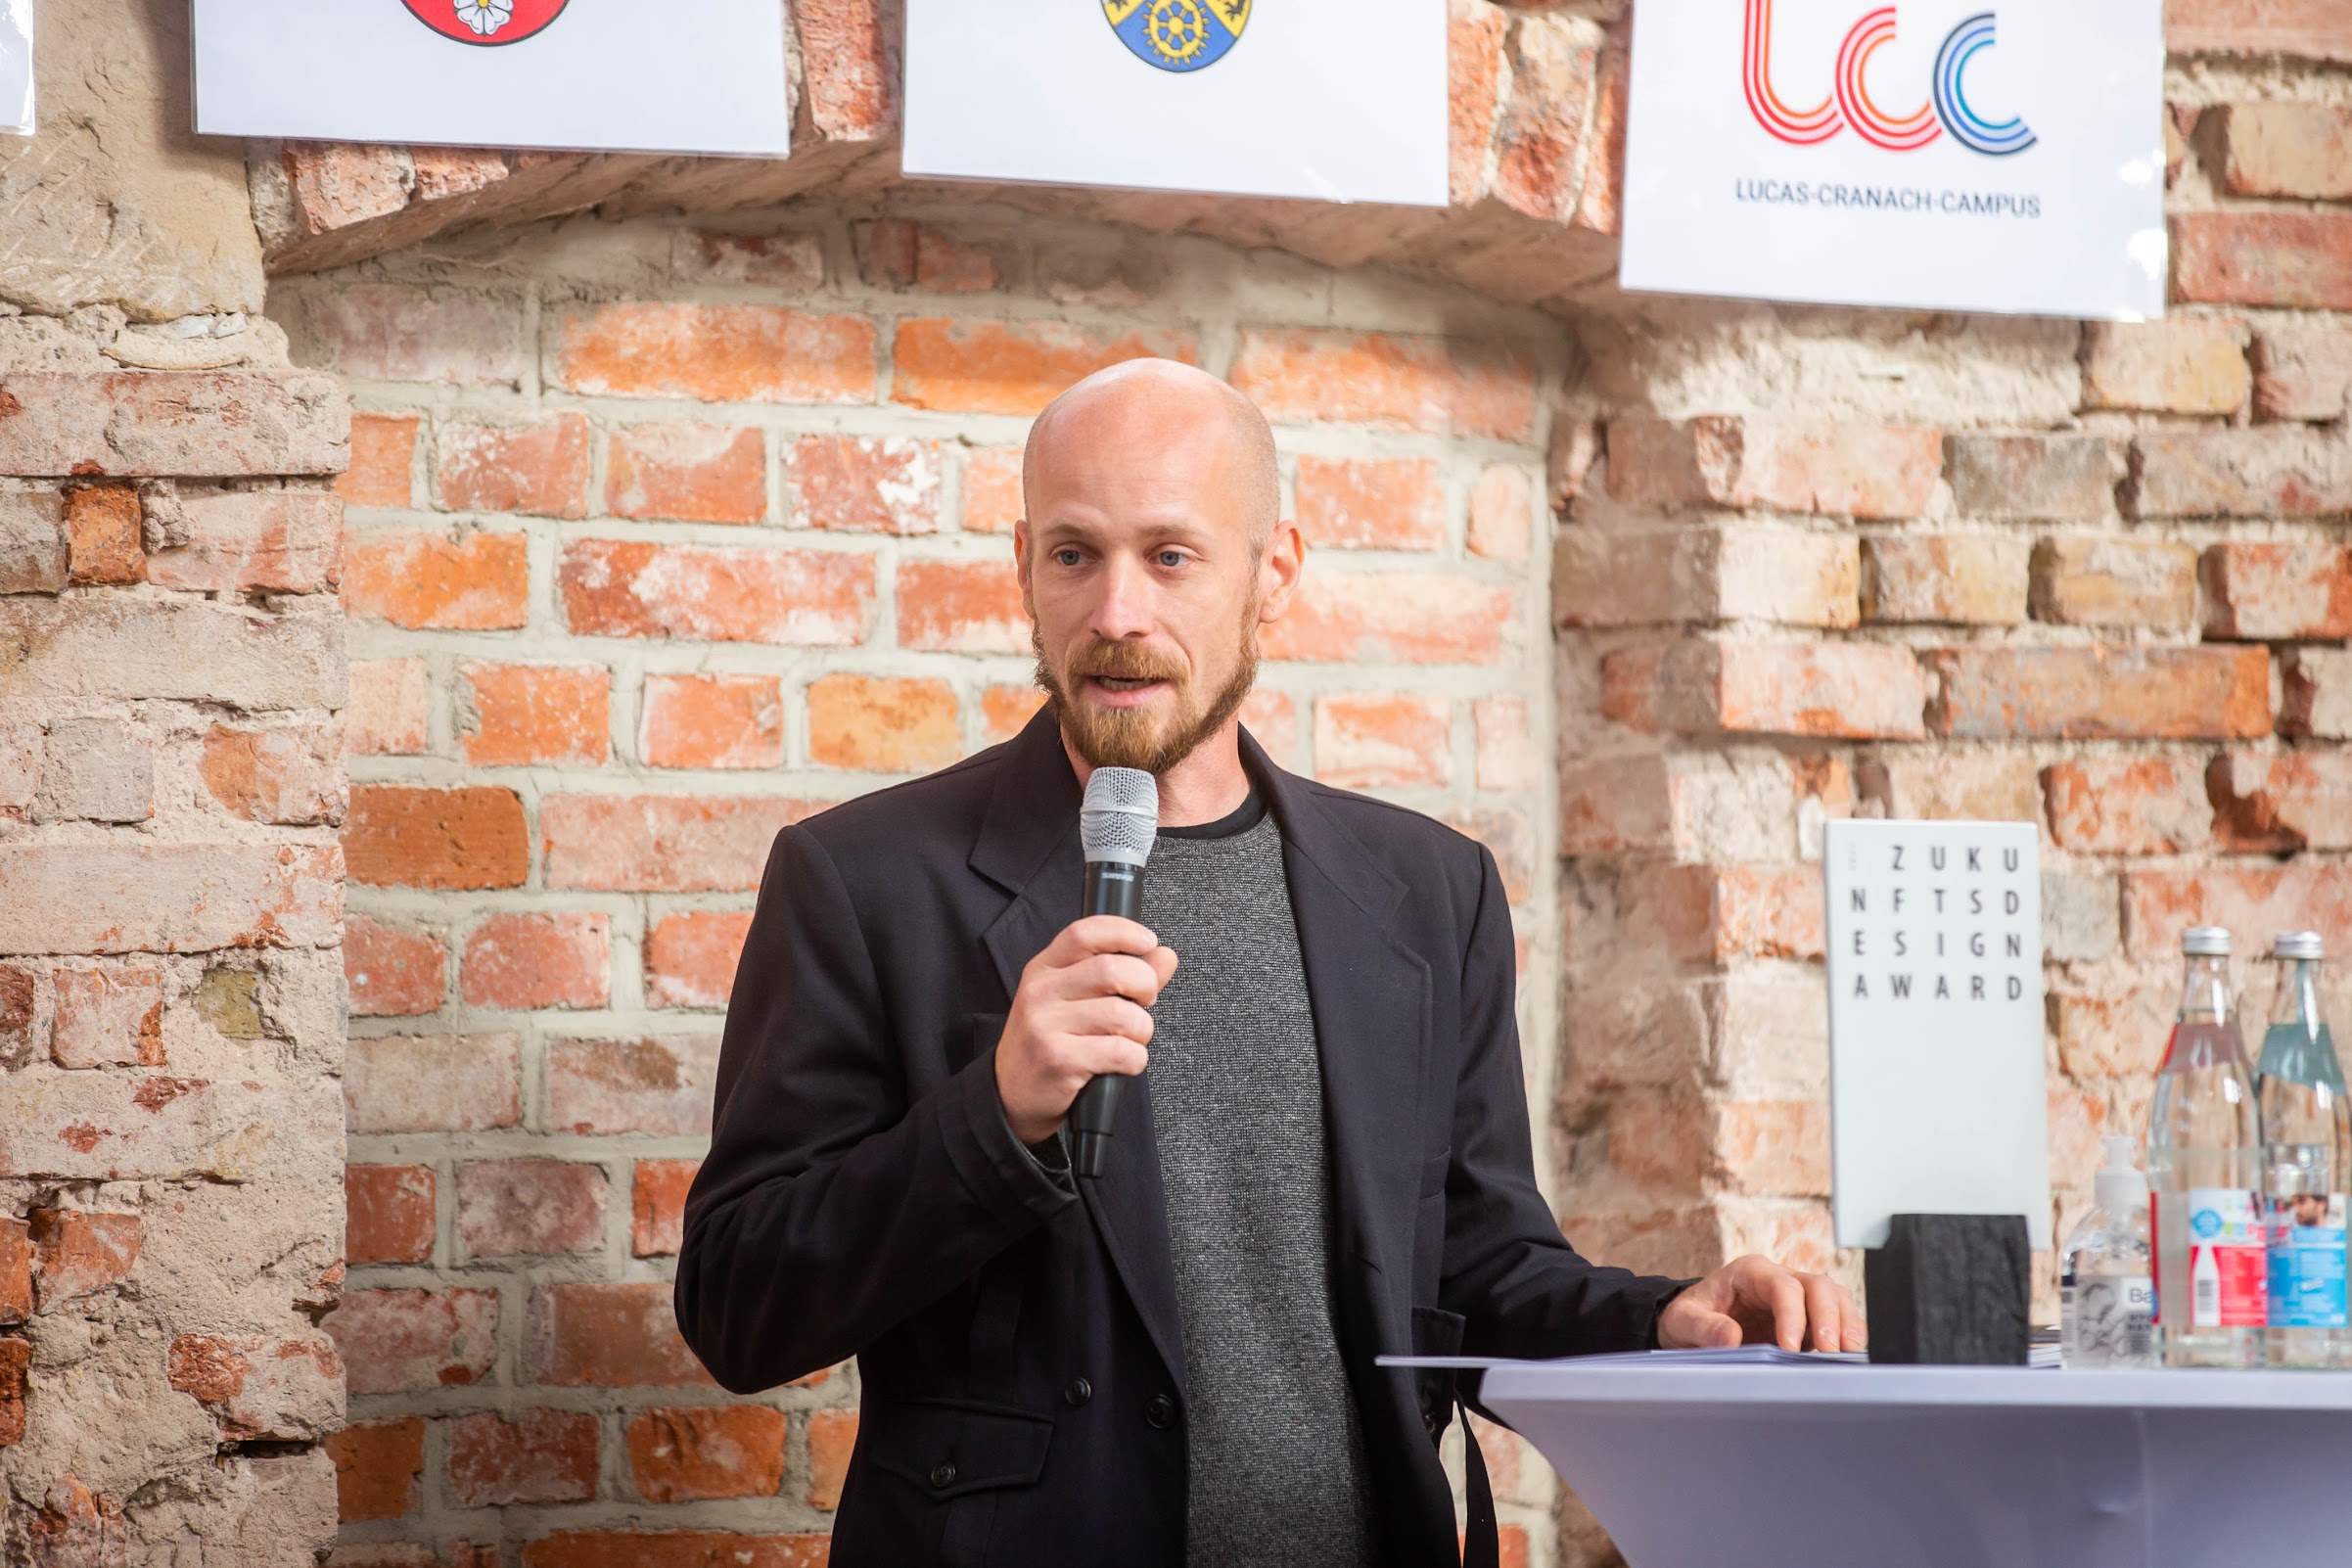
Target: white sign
<point x="16" y="67"/>
<point x="1335" y="100"/>
<point x="1936" y="1103"/>
<point x="1947" y="154"/>
<point x="556" y="73"/>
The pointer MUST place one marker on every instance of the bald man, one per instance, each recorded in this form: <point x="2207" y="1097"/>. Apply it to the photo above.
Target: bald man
<point x="1328" y="1162"/>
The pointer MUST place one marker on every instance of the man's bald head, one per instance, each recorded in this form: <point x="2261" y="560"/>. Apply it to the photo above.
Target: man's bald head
<point x="1161" y="407"/>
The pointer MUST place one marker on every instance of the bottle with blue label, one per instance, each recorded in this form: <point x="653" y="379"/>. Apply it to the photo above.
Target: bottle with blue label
<point x="2306" y="1131"/>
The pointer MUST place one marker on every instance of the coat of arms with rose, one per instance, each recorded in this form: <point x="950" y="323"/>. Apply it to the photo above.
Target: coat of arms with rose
<point x="486" y="21"/>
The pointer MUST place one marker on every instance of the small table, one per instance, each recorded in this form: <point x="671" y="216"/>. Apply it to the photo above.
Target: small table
<point x="1945" y="1467"/>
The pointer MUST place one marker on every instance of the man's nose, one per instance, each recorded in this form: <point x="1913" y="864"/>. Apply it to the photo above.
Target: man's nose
<point x="1124" y="609"/>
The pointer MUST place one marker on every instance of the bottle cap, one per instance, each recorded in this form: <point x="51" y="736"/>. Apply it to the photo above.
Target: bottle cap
<point x="2205" y="942"/>
<point x="2299" y="945"/>
<point x="2119" y="1187"/>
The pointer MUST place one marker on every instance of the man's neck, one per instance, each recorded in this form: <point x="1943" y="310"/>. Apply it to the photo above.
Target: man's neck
<point x="1208" y="784"/>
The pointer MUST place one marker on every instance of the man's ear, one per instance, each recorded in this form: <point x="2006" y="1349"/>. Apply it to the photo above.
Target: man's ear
<point x="1279" y="565"/>
<point x="1021" y="566"/>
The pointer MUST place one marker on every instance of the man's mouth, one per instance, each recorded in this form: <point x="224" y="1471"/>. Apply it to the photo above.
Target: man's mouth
<point x="1126" y="682"/>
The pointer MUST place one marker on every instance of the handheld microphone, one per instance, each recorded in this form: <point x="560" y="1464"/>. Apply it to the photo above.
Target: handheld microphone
<point x="1117" y="824"/>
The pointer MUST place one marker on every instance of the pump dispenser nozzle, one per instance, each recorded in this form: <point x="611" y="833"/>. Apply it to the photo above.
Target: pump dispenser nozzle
<point x="2119" y="1186"/>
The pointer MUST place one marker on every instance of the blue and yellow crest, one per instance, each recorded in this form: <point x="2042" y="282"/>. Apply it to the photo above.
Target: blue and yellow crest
<point x="1179" y="34"/>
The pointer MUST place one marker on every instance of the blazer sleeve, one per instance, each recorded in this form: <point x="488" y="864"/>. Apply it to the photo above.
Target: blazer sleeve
<point x="830" y="1208"/>
<point x="1521" y="1289"/>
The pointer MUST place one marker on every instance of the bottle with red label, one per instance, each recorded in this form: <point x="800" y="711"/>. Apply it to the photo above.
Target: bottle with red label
<point x="2205" y="1174"/>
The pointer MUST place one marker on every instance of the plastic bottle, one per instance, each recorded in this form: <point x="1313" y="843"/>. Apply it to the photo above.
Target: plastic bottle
<point x="2204" y="1171"/>
<point x="2107" y="1294"/>
<point x="2306" y="1123"/>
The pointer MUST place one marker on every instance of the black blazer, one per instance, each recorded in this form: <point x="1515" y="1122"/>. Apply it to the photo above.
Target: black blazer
<point x="1021" y="1377"/>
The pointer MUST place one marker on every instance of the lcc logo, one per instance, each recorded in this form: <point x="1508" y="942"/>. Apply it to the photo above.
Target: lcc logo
<point x="1849" y="102"/>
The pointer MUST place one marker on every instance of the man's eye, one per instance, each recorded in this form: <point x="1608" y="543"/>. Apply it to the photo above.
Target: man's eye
<point x="1067" y="558"/>
<point x="1171" y="558"/>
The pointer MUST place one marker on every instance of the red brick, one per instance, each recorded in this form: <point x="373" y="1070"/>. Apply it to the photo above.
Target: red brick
<point x="2254" y="900"/>
<point x="387" y="1214"/>
<point x="717" y="353"/>
<point x="107" y="1017"/>
<point x="660" y="1086"/>
<point x="1474" y="57"/>
<point x="1434" y="385"/>
<point x="632" y="588"/>
<point x="2300" y="260"/>
<point x="1711" y="914"/>
<point x="2316" y="30"/>
<point x="849" y="59"/>
<point x="1368" y="741"/>
<point x="962" y="607"/>
<point x="662" y="844"/>
<point x="687" y="474"/>
<point x="2281" y="803"/>
<point x="431" y="1083"/>
<point x="16" y="1270"/>
<point x="690" y="957"/>
<point x="2267" y="471"/>
<point x="732" y="722"/>
<point x="518" y="716"/>
<point x="473" y="582"/>
<point x="2127" y="805"/>
<point x="377" y="332"/>
<point x="1371" y="503"/>
<point x="1410" y="618"/>
<point x="2180" y="365"/>
<point x="1009" y="367"/>
<point x="792" y="261"/>
<point x="2101" y="580"/>
<point x="282" y="542"/>
<point x="1538" y="147"/>
<point x="203" y="423"/>
<point x="15" y="1361"/>
<point x="676" y="1548"/>
<point x="519" y="962"/>
<point x="658" y="1206"/>
<point x="2303" y="370"/>
<point x="539" y="467"/>
<point x="609" y="1336"/>
<point x="1501" y="514"/>
<point x="832" y="1436"/>
<point x="2101" y="693"/>
<point x="259" y="1389"/>
<point x="901" y="253"/>
<point x="459" y="839"/>
<point x="385" y="715"/>
<point x="1005" y="711"/>
<point x="290" y="774"/>
<point x="1746" y="571"/>
<point x="168" y="897"/>
<point x="103" y="538"/>
<point x="1741" y="461"/>
<point x="383" y="460"/>
<point x="543" y="1456"/>
<point x="992" y="499"/>
<point x="507" y="1208"/>
<point x="1953" y="579"/>
<point x="882" y="724"/>
<point x="442" y="173"/>
<point x="407" y="1341"/>
<point x="337" y="184"/>
<point x="1601" y="207"/>
<point x="377" y="1468"/>
<point x="865" y="484"/>
<point x="1778" y="1148"/>
<point x="393" y="972"/>
<point x="2266" y="589"/>
<point x="74" y="1254"/>
<point x="703" y="1451"/>
<point x="1851" y="690"/>
<point x="1273" y="719"/>
<point x="2286" y="149"/>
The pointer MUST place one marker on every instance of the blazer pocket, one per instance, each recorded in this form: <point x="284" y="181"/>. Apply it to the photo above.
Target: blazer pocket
<point x="1435" y="1332"/>
<point x="954" y="1447"/>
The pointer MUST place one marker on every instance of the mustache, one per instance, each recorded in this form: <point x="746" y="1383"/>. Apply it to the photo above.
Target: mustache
<point x="1127" y="661"/>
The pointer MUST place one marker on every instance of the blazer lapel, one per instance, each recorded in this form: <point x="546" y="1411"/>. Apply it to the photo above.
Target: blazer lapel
<point x="1370" y="998"/>
<point x="1028" y="846"/>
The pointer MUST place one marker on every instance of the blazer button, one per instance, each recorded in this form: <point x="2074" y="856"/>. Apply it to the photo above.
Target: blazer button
<point x="1160" y="1411"/>
<point x="942" y="1476"/>
<point x="1078" y="1393"/>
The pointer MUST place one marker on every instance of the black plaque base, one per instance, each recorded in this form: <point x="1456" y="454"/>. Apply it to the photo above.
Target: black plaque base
<point x="1949" y="1289"/>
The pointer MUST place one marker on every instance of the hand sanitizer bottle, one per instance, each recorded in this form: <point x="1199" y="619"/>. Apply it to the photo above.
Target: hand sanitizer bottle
<point x="2106" y="1290"/>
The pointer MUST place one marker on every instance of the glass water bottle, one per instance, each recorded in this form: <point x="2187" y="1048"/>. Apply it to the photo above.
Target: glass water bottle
<point x="2306" y="1126"/>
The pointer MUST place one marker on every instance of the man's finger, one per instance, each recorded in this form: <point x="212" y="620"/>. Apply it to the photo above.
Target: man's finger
<point x="1824" y="1306"/>
<point x="1786" y="1295"/>
<point x="1082" y="939"/>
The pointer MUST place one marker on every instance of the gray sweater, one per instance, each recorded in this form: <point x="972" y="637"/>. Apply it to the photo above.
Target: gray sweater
<point x="1275" y="1444"/>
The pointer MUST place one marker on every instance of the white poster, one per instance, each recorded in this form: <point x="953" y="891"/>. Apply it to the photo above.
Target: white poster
<point x="1332" y="100"/>
<point x="1933" y="153"/>
<point x="1936" y="1101"/>
<point x="607" y="74"/>
<point x="16" y="67"/>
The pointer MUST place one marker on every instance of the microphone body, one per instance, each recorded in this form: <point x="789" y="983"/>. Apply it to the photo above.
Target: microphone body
<point x="1117" y="824"/>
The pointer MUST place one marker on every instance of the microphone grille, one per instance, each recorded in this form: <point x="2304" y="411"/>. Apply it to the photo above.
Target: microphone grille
<point x="1119" y="816"/>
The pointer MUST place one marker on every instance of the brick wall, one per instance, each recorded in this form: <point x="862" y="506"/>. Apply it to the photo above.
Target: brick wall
<point x="662" y="537"/>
